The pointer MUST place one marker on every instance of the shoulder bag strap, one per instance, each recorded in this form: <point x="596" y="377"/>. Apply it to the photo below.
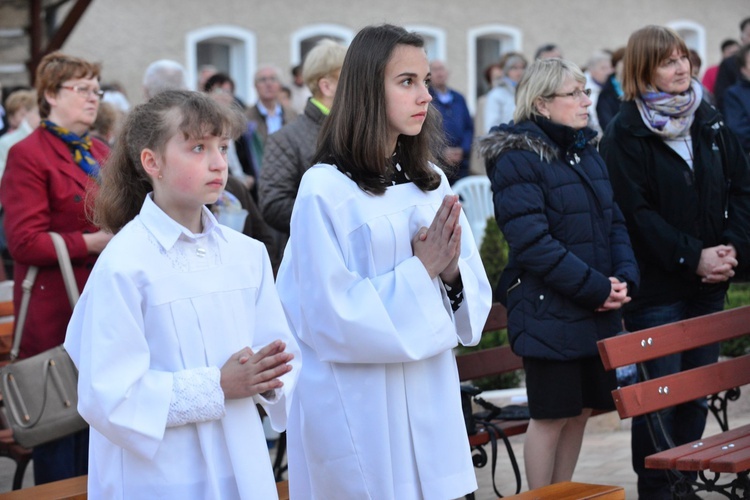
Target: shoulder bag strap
<point x="63" y="258"/>
<point x="27" y="284"/>
<point x="67" y="269"/>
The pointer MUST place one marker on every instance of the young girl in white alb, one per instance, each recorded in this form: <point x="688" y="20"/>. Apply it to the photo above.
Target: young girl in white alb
<point x="179" y="331"/>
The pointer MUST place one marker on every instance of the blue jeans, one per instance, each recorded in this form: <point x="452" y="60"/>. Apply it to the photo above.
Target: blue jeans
<point x="685" y="422"/>
<point x="61" y="459"/>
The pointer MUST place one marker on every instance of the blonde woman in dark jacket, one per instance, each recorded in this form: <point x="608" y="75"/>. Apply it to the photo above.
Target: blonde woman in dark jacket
<point x="570" y="266"/>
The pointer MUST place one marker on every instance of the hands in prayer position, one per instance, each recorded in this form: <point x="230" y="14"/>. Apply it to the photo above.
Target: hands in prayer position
<point x="439" y="246"/>
<point x="246" y="373"/>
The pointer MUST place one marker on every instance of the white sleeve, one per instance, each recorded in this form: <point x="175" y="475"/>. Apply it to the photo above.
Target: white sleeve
<point x="493" y="109"/>
<point x="119" y="394"/>
<point x="196" y="397"/>
<point x="399" y="316"/>
<point x="272" y="325"/>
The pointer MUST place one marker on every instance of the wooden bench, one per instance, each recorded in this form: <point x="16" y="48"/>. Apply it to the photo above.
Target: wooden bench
<point x="497" y="361"/>
<point x="727" y="452"/>
<point x="8" y="446"/>
<point x="76" y="489"/>
<point x="568" y="490"/>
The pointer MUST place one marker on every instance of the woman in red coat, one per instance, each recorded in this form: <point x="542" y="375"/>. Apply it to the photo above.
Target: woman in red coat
<point x="46" y="187"/>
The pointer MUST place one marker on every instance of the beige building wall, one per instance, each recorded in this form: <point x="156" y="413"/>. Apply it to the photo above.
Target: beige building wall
<point x="125" y="36"/>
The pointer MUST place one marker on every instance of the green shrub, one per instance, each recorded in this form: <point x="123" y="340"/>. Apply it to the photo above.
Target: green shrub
<point x="737" y="296"/>
<point x="494" y="254"/>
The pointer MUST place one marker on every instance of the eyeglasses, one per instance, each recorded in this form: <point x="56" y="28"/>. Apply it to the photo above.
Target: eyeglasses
<point x="576" y="94"/>
<point x="84" y="91"/>
<point x="266" y="79"/>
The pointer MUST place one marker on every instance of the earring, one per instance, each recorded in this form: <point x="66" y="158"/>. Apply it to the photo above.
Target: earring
<point x="161" y="176"/>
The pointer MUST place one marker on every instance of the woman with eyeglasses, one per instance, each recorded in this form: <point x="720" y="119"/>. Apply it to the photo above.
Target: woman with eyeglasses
<point x="47" y="186"/>
<point x="570" y="266"/>
<point x="683" y="183"/>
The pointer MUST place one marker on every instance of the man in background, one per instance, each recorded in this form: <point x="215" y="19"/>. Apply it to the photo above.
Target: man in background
<point x="457" y="122"/>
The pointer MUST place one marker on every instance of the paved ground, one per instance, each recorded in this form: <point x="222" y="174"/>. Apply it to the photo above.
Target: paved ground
<point x="605" y="457"/>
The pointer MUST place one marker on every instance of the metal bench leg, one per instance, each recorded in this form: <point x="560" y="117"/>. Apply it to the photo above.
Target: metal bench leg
<point x="278" y="469"/>
<point x="20" y="471"/>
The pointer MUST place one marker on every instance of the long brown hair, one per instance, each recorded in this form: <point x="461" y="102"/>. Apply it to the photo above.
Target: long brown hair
<point x="355" y="135"/>
<point x="125" y="183"/>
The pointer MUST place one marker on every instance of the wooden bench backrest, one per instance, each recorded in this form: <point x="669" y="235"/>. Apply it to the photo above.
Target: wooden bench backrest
<point x="663" y="392"/>
<point x="644" y="345"/>
<point x="655" y="394"/>
<point x="492" y="361"/>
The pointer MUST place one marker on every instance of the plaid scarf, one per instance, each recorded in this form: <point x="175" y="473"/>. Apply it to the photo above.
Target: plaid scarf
<point x="79" y="146"/>
<point x="670" y="115"/>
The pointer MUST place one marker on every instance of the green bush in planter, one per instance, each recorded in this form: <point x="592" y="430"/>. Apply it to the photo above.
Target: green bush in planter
<point x="494" y="254"/>
<point x="737" y="296"/>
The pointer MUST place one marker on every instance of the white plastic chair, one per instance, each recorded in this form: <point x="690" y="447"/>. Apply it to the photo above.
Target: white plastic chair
<point x="476" y="198"/>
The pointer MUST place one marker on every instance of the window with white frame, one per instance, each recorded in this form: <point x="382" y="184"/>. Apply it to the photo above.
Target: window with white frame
<point x="230" y="49"/>
<point x="434" y="40"/>
<point x="694" y="35"/>
<point x="486" y="44"/>
<point x="304" y="39"/>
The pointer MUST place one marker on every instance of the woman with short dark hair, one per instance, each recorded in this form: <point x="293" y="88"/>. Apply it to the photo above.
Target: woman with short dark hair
<point x="683" y="184"/>
<point x="50" y="178"/>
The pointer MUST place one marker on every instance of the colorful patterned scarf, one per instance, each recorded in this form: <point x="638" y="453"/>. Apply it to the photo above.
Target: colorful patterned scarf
<point x="670" y="115"/>
<point x="79" y="146"/>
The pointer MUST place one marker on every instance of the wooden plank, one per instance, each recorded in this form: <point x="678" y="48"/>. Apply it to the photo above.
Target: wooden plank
<point x="670" y="390"/>
<point x="569" y="490"/>
<point x="702" y="459"/>
<point x="76" y="489"/>
<point x="667" y="459"/>
<point x="497" y="319"/>
<point x="282" y="488"/>
<point x="735" y="462"/>
<point x="486" y="362"/>
<point x="643" y="345"/>
<point x="67" y="489"/>
<point x="509" y="427"/>
<point x="6" y="308"/>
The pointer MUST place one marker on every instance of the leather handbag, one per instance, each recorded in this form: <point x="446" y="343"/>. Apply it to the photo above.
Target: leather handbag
<point x="40" y="393"/>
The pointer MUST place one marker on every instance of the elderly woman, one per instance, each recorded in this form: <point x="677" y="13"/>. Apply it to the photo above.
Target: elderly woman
<point x="47" y="184"/>
<point x="682" y="182"/>
<point x="570" y="266"/>
<point x="501" y="100"/>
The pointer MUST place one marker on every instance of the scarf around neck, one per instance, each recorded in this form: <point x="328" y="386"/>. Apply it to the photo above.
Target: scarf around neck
<point x="80" y="146"/>
<point x="670" y="115"/>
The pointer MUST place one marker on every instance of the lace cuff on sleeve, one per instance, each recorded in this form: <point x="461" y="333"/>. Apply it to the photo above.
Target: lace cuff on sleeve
<point x="196" y="397"/>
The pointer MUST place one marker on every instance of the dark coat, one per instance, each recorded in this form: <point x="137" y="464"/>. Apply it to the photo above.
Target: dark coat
<point x="672" y="211"/>
<point x="458" y="126"/>
<point x="566" y="237"/>
<point x="44" y="190"/>
<point x="288" y="154"/>
<point x="737" y="111"/>
<point x="608" y="103"/>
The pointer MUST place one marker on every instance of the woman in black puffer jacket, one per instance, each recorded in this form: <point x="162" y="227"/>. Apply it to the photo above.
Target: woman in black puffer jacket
<point x="570" y="266"/>
<point x="683" y="183"/>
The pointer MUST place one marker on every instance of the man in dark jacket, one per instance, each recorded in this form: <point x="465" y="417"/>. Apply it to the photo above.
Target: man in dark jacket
<point x="729" y="70"/>
<point x="737" y="101"/>
<point x="457" y="122"/>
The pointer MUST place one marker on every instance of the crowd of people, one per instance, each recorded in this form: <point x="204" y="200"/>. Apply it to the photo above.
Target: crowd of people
<point x="622" y="189"/>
